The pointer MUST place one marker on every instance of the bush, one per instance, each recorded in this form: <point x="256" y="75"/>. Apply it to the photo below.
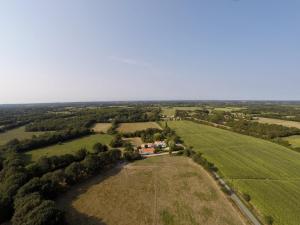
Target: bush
<point x="247" y="197"/>
<point x="269" y="220"/>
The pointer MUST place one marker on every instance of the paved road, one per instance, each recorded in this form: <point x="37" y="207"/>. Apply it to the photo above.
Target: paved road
<point x="244" y="209"/>
<point x="159" y="154"/>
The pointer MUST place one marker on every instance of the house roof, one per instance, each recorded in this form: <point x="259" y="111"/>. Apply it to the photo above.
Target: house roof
<point x="148" y="150"/>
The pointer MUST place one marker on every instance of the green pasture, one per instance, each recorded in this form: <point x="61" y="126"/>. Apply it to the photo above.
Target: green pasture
<point x="18" y="133"/>
<point x="270" y="173"/>
<point x="70" y="146"/>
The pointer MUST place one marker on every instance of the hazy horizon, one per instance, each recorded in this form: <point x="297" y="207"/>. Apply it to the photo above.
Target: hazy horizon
<point x="134" y="50"/>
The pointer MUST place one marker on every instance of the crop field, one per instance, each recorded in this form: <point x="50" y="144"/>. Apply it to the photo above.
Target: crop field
<point x="294" y="140"/>
<point x="131" y="127"/>
<point x="101" y="127"/>
<point x="268" y="172"/>
<point x="19" y="133"/>
<point x="229" y="109"/>
<point x="279" y="122"/>
<point x="159" y="190"/>
<point x="70" y="146"/>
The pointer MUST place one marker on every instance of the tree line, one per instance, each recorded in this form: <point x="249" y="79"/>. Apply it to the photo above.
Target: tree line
<point x="27" y="192"/>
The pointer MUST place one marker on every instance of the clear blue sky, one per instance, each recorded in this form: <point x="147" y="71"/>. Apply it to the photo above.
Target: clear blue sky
<point x="59" y="50"/>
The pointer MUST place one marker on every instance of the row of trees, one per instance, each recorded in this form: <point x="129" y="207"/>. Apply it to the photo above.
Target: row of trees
<point x="266" y="131"/>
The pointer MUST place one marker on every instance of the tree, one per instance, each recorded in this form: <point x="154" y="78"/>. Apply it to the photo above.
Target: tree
<point x="98" y="147"/>
<point x="116" y="141"/>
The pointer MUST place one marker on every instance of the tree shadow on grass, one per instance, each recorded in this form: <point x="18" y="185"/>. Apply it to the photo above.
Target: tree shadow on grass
<point x="73" y="216"/>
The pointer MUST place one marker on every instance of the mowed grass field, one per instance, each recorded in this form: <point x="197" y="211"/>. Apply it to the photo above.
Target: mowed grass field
<point x="101" y="127"/>
<point x="131" y="127"/>
<point x="18" y="133"/>
<point x="270" y="173"/>
<point x="293" y="140"/>
<point x="159" y="190"/>
<point x="70" y="146"/>
<point x="279" y="122"/>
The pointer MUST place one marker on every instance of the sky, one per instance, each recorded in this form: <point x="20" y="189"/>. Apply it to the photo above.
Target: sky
<point x="105" y="50"/>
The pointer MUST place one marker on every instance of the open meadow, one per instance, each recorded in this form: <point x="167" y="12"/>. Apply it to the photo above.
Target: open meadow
<point x="101" y="127"/>
<point x="159" y="190"/>
<point x="268" y="172"/>
<point x="286" y="123"/>
<point x="131" y="127"/>
<point x="18" y="133"/>
<point x="70" y="146"/>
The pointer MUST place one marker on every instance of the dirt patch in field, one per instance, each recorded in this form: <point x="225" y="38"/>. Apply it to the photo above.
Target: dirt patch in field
<point x="131" y="127"/>
<point x="160" y="190"/>
<point x="136" y="141"/>
<point x="101" y="127"/>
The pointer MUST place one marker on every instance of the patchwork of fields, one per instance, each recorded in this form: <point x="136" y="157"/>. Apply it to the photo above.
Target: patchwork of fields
<point x="70" y="146"/>
<point x="18" y="133"/>
<point x="270" y="173"/>
<point x="158" y="190"/>
<point x="131" y="127"/>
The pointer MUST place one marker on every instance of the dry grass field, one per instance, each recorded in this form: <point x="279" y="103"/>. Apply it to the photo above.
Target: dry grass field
<point x="131" y="127"/>
<point x="294" y="140"/>
<point x="136" y="141"/>
<point x="101" y="127"/>
<point x="159" y="190"/>
<point x="279" y="122"/>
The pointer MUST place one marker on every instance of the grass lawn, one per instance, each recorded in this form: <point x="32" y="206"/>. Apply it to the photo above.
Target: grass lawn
<point x="101" y="127"/>
<point x="293" y="140"/>
<point x="131" y="127"/>
<point x="70" y="146"/>
<point x="270" y="173"/>
<point x="279" y="122"/>
<point x="159" y="190"/>
<point x="19" y="133"/>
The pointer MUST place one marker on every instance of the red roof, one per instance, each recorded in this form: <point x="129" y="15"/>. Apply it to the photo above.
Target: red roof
<point x="147" y="150"/>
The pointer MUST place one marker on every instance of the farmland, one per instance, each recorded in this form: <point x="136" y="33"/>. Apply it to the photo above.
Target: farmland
<point x="70" y="146"/>
<point x="268" y="172"/>
<point x="131" y="127"/>
<point x="159" y="190"/>
<point x="101" y="127"/>
<point x="18" y="133"/>
<point x="279" y="122"/>
<point x="170" y="111"/>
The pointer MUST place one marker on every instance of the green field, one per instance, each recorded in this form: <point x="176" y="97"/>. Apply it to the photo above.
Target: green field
<point x="70" y="147"/>
<point x="293" y="140"/>
<point x="18" y="133"/>
<point x="270" y="173"/>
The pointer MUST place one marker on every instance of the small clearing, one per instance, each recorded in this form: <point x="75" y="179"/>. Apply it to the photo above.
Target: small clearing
<point x="101" y="127"/>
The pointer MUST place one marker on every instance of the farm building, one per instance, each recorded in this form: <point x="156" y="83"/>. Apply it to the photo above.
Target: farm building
<point x="147" y="151"/>
<point x="161" y="144"/>
<point x="147" y="145"/>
